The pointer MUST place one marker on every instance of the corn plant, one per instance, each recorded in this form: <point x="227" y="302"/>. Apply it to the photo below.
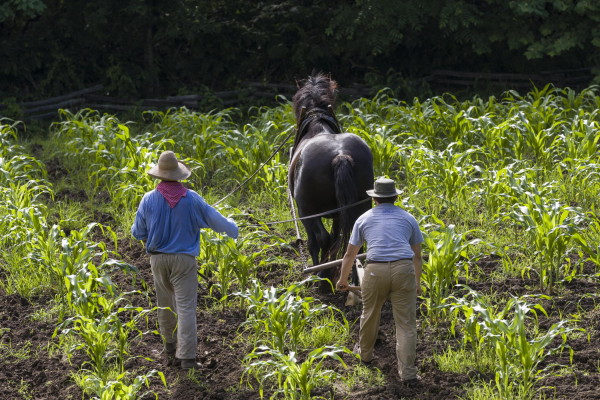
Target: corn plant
<point x="23" y="215"/>
<point x="294" y="380"/>
<point x="501" y="188"/>
<point x="227" y="264"/>
<point x="551" y="228"/>
<point x="519" y="351"/>
<point x="589" y="240"/>
<point x="118" y="389"/>
<point x="465" y="314"/>
<point x="518" y="355"/>
<point x="446" y="252"/>
<point x="278" y="318"/>
<point x="383" y="142"/>
<point x="578" y="182"/>
<point x="23" y="212"/>
<point x="581" y="139"/>
<point x="105" y="336"/>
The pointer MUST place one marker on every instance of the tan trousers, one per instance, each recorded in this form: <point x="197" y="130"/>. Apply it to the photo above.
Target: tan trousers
<point x="176" y="283"/>
<point x="394" y="281"/>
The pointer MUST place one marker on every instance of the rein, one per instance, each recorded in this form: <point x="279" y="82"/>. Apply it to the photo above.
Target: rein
<point x="258" y="169"/>
<point x="317" y="215"/>
<point x="316" y="113"/>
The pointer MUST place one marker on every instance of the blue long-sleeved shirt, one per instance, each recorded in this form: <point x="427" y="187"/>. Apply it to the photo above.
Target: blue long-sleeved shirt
<point x="177" y="230"/>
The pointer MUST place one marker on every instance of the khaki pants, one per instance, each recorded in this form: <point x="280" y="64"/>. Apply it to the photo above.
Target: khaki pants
<point x="176" y="283"/>
<point x="394" y="281"/>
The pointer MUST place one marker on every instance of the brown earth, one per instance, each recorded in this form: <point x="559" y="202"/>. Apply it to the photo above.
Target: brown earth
<point x="29" y="372"/>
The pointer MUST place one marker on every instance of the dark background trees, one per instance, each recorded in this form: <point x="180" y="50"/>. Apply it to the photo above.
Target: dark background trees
<point x="150" y="48"/>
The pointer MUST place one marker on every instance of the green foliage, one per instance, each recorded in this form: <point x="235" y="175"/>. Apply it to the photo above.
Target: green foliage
<point x="520" y="348"/>
<point x="226" y="264"/>
<point x="551" y="228"/>
<point x="518" y="175"/>
<point x="447" y="252"/>
<point x="295" y="380"/>
<point x="12" y="9"/>
<point x="279" y="318"/>
<point x="164" y="47"/>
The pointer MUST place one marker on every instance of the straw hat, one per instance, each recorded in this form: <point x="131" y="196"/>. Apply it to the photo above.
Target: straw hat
<point x="169" y="169"/>
<point x="384" y="187"/>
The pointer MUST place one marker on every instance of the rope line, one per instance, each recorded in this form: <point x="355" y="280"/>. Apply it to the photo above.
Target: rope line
<point x="292" y="131"/>
<point x="316" y="215"/>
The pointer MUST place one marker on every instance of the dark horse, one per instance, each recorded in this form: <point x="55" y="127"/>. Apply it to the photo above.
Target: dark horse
<point x="328" y="170"/>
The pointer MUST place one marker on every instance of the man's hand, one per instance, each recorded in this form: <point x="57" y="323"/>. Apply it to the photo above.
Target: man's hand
<point x="419" y="290"/>
<point x="342" y="284"/>
<point x="347" y="262"/>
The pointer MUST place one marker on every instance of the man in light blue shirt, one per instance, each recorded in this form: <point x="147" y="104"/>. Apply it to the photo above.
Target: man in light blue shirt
<point x="169" y="220"/>
<point x="392" y="271"/>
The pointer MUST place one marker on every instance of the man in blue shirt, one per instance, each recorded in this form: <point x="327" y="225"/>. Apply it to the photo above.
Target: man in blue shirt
<point x="392" y="271"/>
<point x="169" y="220"/>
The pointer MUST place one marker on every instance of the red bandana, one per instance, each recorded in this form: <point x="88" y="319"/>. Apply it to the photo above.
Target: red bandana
<point x="172" y="192"/>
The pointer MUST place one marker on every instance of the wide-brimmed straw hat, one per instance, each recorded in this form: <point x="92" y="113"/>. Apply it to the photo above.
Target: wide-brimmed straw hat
<point x="169" y="169"/>
<point x="384" y="187"/>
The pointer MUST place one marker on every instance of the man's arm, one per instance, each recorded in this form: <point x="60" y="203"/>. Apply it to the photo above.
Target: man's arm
<point x="418" y="263"/>
<point x="139" y="229"/>
<point x="220" y="223"/>
<point x="347" y="262"/>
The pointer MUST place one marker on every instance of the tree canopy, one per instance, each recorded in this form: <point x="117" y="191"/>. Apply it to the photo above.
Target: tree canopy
<point x="165" y="47"/>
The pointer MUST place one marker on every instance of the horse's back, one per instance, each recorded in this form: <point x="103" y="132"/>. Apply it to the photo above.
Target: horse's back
<point x="314" y="183"/>
<point x="321" y="149"/>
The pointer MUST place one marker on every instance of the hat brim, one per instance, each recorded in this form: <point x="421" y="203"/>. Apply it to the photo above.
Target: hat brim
<point x="180" y="173"/>
<point x="383" y="195"/>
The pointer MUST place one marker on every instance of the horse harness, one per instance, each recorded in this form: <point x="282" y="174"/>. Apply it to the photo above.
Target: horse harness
<point x="306" y="117"/>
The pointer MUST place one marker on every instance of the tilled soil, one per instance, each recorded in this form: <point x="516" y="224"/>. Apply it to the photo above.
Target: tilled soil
<point x="32" y="370"/>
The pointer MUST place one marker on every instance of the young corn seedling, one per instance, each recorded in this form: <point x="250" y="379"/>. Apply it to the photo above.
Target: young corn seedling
<point x="294" y="380"/>
<point x="465" y="313"/>
<point x="446" y="254"/>
<point x="551" y="228"/>
<point x="278" y="318"/>
<point x="119" y="389"/>
<point x="228" y="263"/>
<point x="519" y="351"/>
<point x="215" y="267"/>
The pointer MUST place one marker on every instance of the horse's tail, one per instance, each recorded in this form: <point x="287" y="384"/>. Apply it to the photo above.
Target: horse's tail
<point x="345" y="192"/>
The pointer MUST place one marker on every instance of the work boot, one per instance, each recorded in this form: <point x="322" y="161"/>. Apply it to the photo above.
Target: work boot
<point x="411" y="383"/>
<point x="187" y="364"/>
<point x="170" y="350"/>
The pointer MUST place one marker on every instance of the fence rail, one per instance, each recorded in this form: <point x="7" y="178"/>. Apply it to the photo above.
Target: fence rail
<point x="94" y="98"/>
<point x="572" y="77"/>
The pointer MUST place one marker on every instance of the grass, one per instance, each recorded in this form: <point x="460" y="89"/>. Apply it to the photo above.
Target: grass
<point x="361" y="377"/>
<point x="464" y="361"/>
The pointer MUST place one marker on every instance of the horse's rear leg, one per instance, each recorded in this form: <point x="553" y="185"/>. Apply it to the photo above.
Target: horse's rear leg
<point x="318" y="239"/>
<point x="319" y="242"/>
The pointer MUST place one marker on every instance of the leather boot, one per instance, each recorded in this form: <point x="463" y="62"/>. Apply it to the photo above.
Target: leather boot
<point x="190" y="364"/>
<point x="170" y="350"/>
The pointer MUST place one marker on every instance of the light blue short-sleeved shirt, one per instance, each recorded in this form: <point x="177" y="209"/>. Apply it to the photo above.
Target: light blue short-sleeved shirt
<point x="177" y="230"/>
<point x="388" y="231"/>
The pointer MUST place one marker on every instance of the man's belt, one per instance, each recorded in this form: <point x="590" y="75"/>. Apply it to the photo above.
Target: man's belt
<point x="383" y="262"/>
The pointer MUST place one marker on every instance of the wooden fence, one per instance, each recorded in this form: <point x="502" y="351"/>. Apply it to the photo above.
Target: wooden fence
<point x="574" y="78"/>
<point x="94" y="98"/>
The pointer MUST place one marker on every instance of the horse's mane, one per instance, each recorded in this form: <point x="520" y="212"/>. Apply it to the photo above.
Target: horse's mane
<point x="318" y="91"/>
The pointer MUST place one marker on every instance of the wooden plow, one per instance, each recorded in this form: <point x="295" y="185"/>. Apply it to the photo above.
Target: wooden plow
<point x="353" y="291"/>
